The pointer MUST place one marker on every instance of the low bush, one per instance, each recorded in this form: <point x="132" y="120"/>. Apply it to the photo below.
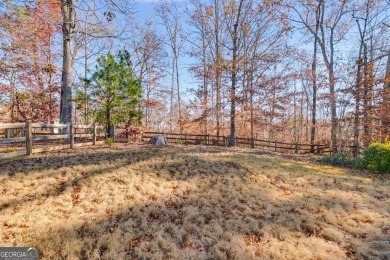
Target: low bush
<point x="179" y="141"/>
<point x="376" y="157"/>
<point x="109" y="141"/>
<point x="343" y="160"/>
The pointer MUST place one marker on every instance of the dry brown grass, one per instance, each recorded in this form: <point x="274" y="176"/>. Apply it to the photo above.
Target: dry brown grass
<point x="191" y="203"/>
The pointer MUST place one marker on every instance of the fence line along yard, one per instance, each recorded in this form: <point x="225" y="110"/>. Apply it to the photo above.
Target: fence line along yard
<point x="24" y="133"/>
<point x="275" y="146"/>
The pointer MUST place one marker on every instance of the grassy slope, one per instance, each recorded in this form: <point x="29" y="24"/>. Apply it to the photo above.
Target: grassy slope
<point x="191" y="203"/>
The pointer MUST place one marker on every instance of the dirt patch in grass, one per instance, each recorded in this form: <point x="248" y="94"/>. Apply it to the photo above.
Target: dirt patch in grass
<point x="191" y="202"/>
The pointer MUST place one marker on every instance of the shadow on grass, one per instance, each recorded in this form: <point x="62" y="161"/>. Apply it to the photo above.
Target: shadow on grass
<point x="69" y="158"/>
<point x="189" y="228"/>
<point x="203" y="225"/>
<point x="56" y="163"/>
<point x="208" y="222"/>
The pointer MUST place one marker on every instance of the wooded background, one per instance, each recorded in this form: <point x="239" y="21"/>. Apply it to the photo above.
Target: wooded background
<point x="300" y="71"/>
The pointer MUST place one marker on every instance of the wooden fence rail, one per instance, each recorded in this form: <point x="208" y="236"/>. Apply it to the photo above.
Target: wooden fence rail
<point x="67" y="133"/>
<point x="242" y="142"/>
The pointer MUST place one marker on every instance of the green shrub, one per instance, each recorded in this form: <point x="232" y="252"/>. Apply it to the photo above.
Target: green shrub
<point x="377" y="157"/>
<point x="179" y="141"/>
<point x="109" y="141"/>
<point x="343" y="160"/>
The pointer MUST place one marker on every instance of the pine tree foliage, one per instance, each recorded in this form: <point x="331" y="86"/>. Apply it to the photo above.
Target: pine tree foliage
<point x="115" y="91"/>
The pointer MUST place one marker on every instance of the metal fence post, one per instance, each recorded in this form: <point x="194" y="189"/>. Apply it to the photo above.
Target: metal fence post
<point x="28" y="137"/>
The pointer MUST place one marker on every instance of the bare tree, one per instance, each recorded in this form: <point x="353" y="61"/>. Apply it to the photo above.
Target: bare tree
<point x="149" y="62"/>
<point x="217" y="63"/>
<point x="170" y="17"/>
<point x="386" y="99"/>
<point x="71" y="45"/>
<point x="314" y="77"/>
<point x="234" y="26"/>
<point x="68" y="25"/>
<point x="330" y="33"/>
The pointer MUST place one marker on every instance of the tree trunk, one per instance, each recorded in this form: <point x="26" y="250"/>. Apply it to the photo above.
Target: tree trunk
<point x="205" y="83"/>
<point x="50" y="82"/>
<point x="178" y="90"/>
<point x="232" y="141"/>
<point x="218" y="100"/>
<point x="314" y="80"/>
<point x="251" y="109"/>
<point x="68" y="15"/>
<point x="333" y="136"/>
<point x="386" y="101"/>
<point x="108" y="120"/>
<point x="387" y="80"/>
<point x="273" y="104"/>
<point x="329" y="66"/>
<point x="361" y="64"/>
<point x="85" y="75"/>
<point x="357" y="107"/>
<point x="217" y="70"/>
<point x="172" y="93"/>
<point x="367" y="95"/>
<point x="294" y="137"/>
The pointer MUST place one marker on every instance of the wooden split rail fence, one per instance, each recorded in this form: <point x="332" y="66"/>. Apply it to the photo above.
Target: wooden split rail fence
<point x="26" y="135"/>
<point x="242" y="142"/>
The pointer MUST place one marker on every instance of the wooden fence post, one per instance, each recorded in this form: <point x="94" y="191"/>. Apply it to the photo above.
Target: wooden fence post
<point x="28" y="137"/>
<point x="318" y="149"/>
<point x="94" y="134"/>
<point x="275" y="146"/>
<point x="71" y="136"/>
<point x="185" y="138"/>
<point x="296" y="148"/>
<point x="237" y="142"/>
<point x="208" y="139"/>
